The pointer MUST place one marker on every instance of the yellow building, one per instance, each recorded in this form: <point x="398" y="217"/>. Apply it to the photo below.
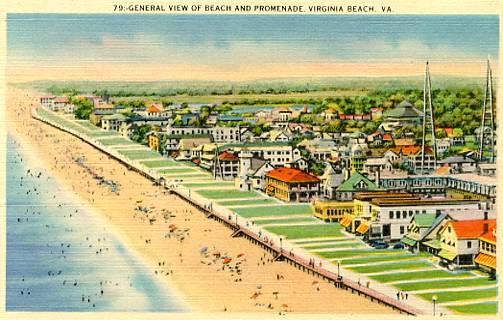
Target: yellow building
<point x="154" y="141"/>
<point x="332" y="211"/>
<point x="362" y="208"/>
<point x="289" y="184"/>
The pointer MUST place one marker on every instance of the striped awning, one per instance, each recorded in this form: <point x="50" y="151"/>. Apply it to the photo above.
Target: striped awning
<point x="362" y="228"/>
<point x="346" y="221"/>
<point x="486" y="260"/>
<point x="446" y="254"/>
<point x="434" y="243"/>
<point x="408" y="241"/>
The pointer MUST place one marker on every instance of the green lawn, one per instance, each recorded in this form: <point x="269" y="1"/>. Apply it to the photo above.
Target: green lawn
<point x="419" y="275"/>
<point x="307" y="231"/>
<point x="443" y="284"/>
<point x="226" y="194"/>
<point x="114" y="141"/>
<point x="232" y="203"/>
<point x="178" y="170"/>
<point x="398" y="256"/>
<point x="406" y="265"/>
<point x="334" y="245"/>
<point x="159" y="163"/>
<point x="476" y="308"/>
<point x="279" y="210"/>
<point x="285" y="221"/>
<point x="61" y="121"/>
<point x="139" y="154"/>
<point x="88" y="125"/>
<point x="325" y="240"/>
<point x="353" y="253"/>
<point x="99" y="134"/>
<point x="188" y="177"/>
<point x="215" y="184"/>
<point x="448" y="296"/>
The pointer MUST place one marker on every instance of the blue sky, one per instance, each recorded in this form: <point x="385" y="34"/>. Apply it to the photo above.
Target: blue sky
<point x="230" y="43"/>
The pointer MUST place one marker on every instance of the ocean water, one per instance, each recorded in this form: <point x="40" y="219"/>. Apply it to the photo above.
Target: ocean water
<point x="61" y="256"/>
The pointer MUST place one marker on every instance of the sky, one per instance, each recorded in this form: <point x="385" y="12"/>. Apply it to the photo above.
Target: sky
<point x="245" y="47"/>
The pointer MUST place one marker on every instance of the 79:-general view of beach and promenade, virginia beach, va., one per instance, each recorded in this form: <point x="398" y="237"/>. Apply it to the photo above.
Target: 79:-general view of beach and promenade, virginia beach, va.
<point x="268" y="164"/>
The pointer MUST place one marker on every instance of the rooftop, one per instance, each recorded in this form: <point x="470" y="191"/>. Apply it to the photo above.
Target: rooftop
<point x="419" y="202"/>
<point x="403" y="110"/>
<point x="227" y="156"/>
<point x="472" y="228"/>
<point x="291" y="175"/>
<point x="357" y="182"/>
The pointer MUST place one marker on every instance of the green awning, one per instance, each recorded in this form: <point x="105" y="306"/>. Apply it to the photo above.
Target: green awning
<point x="408" y="241"/>
<point x="434" y="243"/>
<point x="446" y="254"/>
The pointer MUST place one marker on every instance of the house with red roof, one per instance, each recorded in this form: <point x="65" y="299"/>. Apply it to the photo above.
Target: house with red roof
<point x="486" y="259"/>
<point x="460" y="241"/>
<point x="227" y="165"/>
<point x="290" y="184"/>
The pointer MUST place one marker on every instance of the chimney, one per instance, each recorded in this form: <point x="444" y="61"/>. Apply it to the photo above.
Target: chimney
<point x="486" y="227"/>
<point x="378" y="177"/>
<point x="347" y="174"/>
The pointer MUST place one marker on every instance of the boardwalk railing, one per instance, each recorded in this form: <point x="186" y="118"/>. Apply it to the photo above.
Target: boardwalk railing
<point x="242" y="231"/>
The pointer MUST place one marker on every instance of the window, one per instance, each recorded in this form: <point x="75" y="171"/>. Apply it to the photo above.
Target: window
<point x="469" y="244"/>
<point x="402" y="229"/>
<point x="391" y="214"/>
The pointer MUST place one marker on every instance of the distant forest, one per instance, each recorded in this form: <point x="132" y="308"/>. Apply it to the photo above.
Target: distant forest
<point x="216" y="88"/>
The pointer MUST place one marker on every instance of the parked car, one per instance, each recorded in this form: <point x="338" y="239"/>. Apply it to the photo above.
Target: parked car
<point x="398" y="246"/>
<point x="380" y="245"/>
<point x="372" y="243"/>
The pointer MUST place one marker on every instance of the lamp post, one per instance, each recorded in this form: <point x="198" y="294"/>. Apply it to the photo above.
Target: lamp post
<point x="338" y="268"/>
<point x="281" y="244"/>
<point x="434" y="299"/>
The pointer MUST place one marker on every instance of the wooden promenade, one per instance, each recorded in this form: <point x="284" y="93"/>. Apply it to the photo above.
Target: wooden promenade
<point x="238" y="230"/>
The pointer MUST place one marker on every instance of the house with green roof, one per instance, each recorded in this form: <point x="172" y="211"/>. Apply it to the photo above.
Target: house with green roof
<point x="402" y="114"/>
<point x="356" y="182"/>
<point x="422" y="229"/>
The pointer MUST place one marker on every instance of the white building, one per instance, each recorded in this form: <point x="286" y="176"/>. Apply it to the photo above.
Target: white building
<point x="112" y="122"/>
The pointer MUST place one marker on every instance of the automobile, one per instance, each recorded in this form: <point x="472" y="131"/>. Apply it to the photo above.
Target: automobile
<point x="381" y="245"/>
<point x="372" y="243"/>
<point x="398" y="246"/>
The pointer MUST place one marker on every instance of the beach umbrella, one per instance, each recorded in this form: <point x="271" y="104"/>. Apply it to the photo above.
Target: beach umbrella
<point x="315" y="282"/>
<point x="284" y="305"/>
<point x="240" y="255"/>
<point x="254" y="296"/>
<point x="227" y="260"/>
<point x="203" y="249"/>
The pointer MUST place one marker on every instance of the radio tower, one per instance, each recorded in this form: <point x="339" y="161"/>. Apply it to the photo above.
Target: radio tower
<point x="428" y="122"/>
<point x="486" y="141"/>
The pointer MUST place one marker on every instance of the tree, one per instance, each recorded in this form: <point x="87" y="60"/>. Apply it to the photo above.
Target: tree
<point x="440" y="134"/>
<point x="83" y="108"/>
<point x="140" y="133"/>
<point x="370" y="126"/>
<point x="457" y="132"/>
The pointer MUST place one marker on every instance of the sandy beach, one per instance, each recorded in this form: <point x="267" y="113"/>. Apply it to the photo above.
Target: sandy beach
<point x="250" y="282"/>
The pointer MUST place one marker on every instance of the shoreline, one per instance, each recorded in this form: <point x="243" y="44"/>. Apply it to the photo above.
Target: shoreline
<point x="150" y="242"/>
<point x="99" y="219"/>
